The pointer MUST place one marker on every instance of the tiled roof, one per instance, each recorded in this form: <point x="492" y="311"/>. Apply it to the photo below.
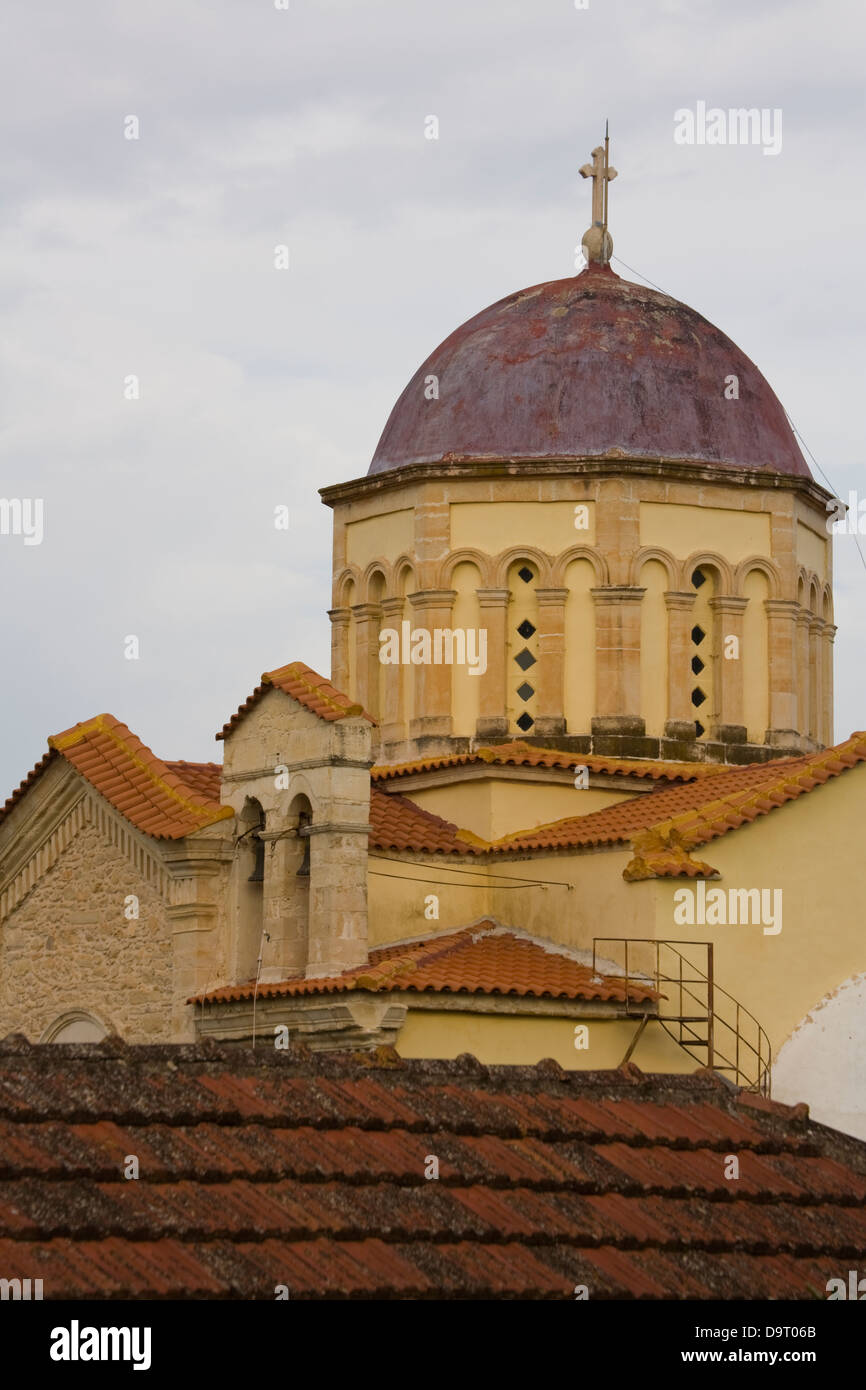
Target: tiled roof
<point x="24" y="786"/>
<point x="483" y="959"/>
<point x="667" y="824"/>
<point x="664" y="826"/>
<point x="519" y="754"/>
<point x="166" y="800"/>
<point x="204" y="778"/>
<point x="268" y="1168"/>
<point x="665" y="850"/>
<point x="618" y="824"/>
<point x="311" y="690"/>
<point x="397" y="823"/>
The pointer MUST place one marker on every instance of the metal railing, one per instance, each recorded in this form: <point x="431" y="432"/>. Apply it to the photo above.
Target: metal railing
<point x="705" y="1020"/>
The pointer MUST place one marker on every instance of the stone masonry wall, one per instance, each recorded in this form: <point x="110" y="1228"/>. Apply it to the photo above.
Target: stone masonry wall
<point x="69" y="946"/>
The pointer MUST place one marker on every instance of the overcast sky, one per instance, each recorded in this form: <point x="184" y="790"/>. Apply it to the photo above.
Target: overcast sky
<point x="261" y="126"/>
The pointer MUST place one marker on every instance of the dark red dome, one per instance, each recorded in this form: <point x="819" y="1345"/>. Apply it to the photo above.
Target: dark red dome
<point x="589" y="367"/>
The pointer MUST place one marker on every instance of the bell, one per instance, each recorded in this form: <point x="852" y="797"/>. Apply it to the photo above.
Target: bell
<point x="258" y="873"/>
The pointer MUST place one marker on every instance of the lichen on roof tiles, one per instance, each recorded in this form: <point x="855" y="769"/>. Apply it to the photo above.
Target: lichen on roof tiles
<point x="263" y="1168"/>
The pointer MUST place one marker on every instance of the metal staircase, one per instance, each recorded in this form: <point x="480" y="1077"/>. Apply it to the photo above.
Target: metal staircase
<point x="702" y="1018"/>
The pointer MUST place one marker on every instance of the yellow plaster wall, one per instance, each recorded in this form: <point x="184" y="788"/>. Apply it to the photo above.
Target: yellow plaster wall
<point x="579" y="698"/>
<point x="683" y="530"/>
<point x="382" y="537"/>
<point x="564" y="898"/>
<point x="398" y="896"/>
<point x="812" y="550"/>
<point x="495" y="526"/>
<point x="492" y="808"/>
<point x="512" y="1040"/>
<point x="811" y="849"/>
<point x="755" y="657"/>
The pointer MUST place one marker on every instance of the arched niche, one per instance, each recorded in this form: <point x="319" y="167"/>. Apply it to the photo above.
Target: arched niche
<point x="75" y="1026"/>
<point x="465" y="617"/>
<point x="654" y="579"/>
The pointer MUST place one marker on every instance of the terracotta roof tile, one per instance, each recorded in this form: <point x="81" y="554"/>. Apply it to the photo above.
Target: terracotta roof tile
<point x="268" y="1168"/>
<point x="397" y="823"/>
<point x="166" y="800"/>
<point x="311" y="690"/>
<point x="482" y="959"/>
<point x="204" y="778"/>
<point x="24" y="786"/>
<point x="666" y="825"/>
<point x="520" y="754"/>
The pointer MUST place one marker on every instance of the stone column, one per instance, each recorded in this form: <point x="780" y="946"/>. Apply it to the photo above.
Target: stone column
<point x="782" y="653"/>
<point x="728" y="621"/>
<point x="367" y="618"/>
<point x="493" y="608"/>
<point x="198" y="882"/>
<point x="432" y="609"/>
<point x="340" y="629"/>
<point x="829" y="637"/>
<point x="392" y="727"/>
<point x="816" y="678"/>
<point x="550" y="680"/>
<point x="680" y="723"/>
<point x="338" y="897"/>
<point x="617" y="670"/>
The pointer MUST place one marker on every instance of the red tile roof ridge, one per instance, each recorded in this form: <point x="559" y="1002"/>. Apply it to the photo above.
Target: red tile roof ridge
<point x="626" y="820"/>
<point x="518" y="753"/>
<point x="400" y="823"/>
<point x="713" y="818"/>
<point x="27" y="782"/>
<point x="138" y="773"/>
<point x="798" y="1114"/>
<point x="393" y="965"/>
<point x="300" y="682"/>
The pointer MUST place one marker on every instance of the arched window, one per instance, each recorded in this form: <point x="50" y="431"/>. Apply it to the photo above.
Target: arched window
<point x="300" y="869"/>
<point x="521" y="647"/>
<point x="250" y="889"/>
<point x="703" y="672"/>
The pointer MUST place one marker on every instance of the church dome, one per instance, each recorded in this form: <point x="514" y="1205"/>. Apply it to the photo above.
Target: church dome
<point x="591" y="367"/>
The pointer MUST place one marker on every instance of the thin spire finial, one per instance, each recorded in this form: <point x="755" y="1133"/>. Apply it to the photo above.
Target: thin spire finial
<point x="597" y="242"/>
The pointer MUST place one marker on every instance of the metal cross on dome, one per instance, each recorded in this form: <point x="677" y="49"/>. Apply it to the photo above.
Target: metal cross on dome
<point x="597" y="242"/>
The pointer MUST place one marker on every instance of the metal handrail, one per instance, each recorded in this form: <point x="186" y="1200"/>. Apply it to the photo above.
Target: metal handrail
<point x="716" y="1058"/>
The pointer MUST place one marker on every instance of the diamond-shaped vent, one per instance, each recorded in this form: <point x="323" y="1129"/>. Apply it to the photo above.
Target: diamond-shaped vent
<point x="698" y="635"/>
<point x="525" y="691"/>
<point x="697" y="665"/>
<point x="525" y="722"/>
<point x="525" y="574"/>
<point x="699" y="728"/>
<point x="526" y="629"/>
<point x="698" y="578"/>
<point x="525" y="659"/>
<point x="698" y="697"/>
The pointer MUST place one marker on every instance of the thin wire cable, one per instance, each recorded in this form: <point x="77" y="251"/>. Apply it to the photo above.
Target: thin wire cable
<point x="637" y="272"/>
<point x="831" y="485"/>
<point x="826" y="479"/>
<point x="449" y="883"/>
<point x="447" y="868"/>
